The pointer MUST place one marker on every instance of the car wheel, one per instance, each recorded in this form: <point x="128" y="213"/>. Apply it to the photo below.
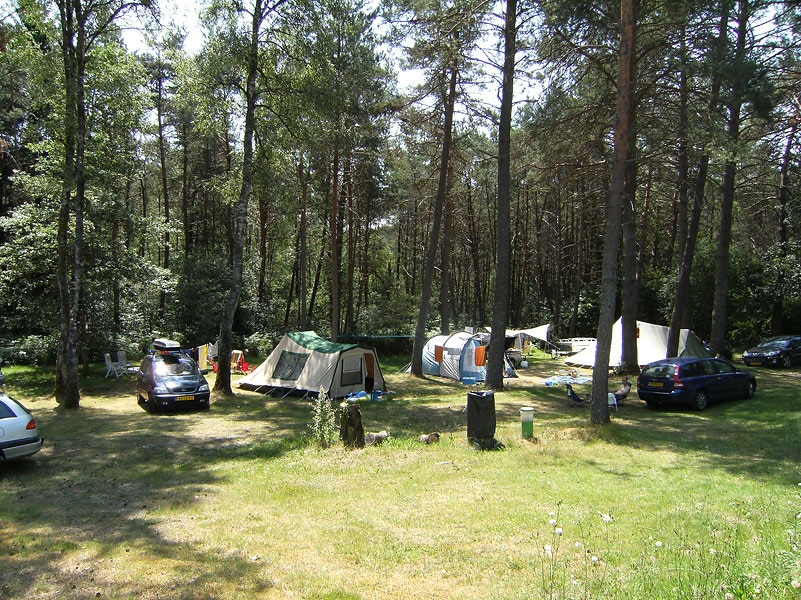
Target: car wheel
<point x="701" y="400"/>
<point x="787" y="361"/>
<point x="751" y="389"/>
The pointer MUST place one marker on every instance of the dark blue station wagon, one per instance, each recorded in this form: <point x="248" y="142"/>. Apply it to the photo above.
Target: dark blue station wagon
<point x="693" y="381"/>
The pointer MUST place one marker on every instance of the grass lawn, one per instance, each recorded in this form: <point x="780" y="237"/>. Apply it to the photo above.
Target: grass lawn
<point x="236" y="503"/>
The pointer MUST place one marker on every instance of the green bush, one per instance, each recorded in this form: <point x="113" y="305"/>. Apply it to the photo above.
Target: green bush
<point x="259" y="344"/>
<point x="29" y="350"/>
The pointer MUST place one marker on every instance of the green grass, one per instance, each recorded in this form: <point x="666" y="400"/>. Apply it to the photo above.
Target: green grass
<point x="236" y="503"/>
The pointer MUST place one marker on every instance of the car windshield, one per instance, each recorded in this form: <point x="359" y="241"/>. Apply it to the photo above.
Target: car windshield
<point x="660" y="371"/>
<point x="774" y="343"/>
<point x="175" y="364"/>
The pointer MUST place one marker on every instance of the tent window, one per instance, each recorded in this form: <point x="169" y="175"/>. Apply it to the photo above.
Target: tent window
<point x="352" y="370"/>
<point x="290" y="365"/>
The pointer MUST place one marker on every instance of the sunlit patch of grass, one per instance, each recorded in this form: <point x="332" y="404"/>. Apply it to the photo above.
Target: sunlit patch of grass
<point x="237" y="502"/>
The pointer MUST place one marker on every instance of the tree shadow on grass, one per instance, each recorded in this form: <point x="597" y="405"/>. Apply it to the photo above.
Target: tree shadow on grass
<point x="755" y="437"/>
<point x="106" y="473"/>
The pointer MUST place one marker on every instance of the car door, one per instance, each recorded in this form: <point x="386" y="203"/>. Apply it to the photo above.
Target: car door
<point x="144" y="379"/>
<point x="729" y="382"/>
<point x="709" y="379"/>
<point x="794" y="347"/>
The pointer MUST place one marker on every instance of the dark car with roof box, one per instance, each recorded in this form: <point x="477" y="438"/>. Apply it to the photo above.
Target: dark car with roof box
<point x="169" y="379"/>
<point x="693" y="381"/>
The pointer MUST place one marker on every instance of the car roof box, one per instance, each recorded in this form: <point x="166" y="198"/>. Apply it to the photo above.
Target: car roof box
<point x="164" y="344"/>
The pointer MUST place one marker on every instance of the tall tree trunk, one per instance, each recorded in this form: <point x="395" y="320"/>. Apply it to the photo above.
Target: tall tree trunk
<point x="350" y="217"/>
<point x="223" y="381"/>
<point x="474" y="249"/>
<point x="433" y="240"/>
<point x="165" y="188"/>
<point x="335" y="244"/>
<point x="500" y="310"/>
<point x="630" y="292"/>
<point x="717" y="339"/>
<point x="606" y="318"/>
<point x="680" y="317"/>
<point x="777" y="314"/>
<point x="186" y="208"/>
<point x="66" y="390"/>
<point x="445" y="262"/>
<point x="303" y="262"/>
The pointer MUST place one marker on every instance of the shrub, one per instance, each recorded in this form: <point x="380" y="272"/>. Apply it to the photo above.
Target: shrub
<point x="30" y="350"/>
<point x="323" y="427"/>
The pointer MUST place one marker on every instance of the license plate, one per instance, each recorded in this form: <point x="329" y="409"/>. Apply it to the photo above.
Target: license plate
<point x="182" y="398"/>
<point x="657" y="384"/>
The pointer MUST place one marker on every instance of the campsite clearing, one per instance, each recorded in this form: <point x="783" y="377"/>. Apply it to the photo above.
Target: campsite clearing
<point x="233" y="503"/>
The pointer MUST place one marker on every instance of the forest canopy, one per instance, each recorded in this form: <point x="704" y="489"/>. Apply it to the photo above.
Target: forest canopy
<point x="122" y="169"/>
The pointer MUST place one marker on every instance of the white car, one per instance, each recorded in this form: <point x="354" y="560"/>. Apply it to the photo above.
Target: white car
<point x="19" y="436"/>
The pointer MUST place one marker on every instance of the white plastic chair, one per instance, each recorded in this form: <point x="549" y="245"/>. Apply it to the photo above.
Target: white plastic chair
<point x="111" y="367"/>
<point x="123" y="364"/>
<point x="612" y="401"/>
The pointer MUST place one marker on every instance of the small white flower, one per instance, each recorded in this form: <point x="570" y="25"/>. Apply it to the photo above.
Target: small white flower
<point x="713" y="551"/>
<point x="578" y="544"/>
<point x="552" y="522"/>
<point x="548" y="550"/>
<point x="558" y="531"/>
<point x="595" y="559"/>
<point x="729" y="596"/>
<point x="658" y="544"/>
<point x="606" y="517"/>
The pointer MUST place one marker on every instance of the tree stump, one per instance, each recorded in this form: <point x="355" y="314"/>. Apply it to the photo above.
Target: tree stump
<point x="351" y="430"/>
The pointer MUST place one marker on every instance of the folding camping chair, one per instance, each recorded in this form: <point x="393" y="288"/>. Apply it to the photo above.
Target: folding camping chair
<point x="111" y="367"/>
<point x="623" y="391"/>
<point x="238" y="364"/>
<point x="122" y="363"/>
<point x="575" y="399"/>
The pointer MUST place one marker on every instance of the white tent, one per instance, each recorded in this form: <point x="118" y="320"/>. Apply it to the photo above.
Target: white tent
<point x="303" y="362"/>
<point x="535" y="333"/>
<point x="651" y="345"/>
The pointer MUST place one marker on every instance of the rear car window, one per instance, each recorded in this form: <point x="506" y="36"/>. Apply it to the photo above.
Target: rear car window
<point x="663" y="371"/>
<point x="8" y="406"/>
<point x="5" y="412"/>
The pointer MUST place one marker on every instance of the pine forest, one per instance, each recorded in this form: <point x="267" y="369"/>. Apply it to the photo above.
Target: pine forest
<point x="395" y="169"/>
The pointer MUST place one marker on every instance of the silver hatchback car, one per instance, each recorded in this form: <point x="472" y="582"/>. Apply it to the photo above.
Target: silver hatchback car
<point x="19" y="435"/>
